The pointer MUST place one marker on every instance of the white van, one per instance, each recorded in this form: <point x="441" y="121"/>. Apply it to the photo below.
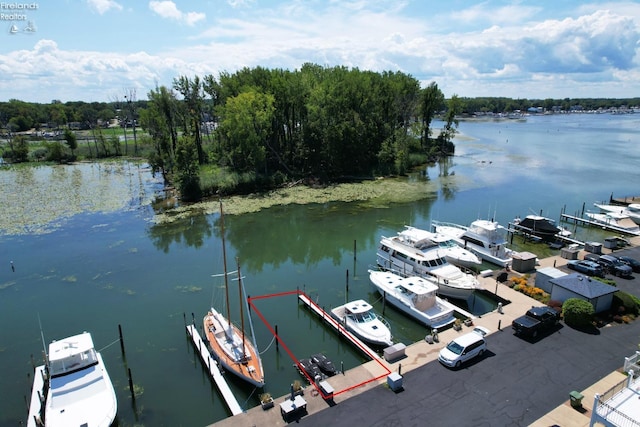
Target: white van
<point x="464" y="348"/>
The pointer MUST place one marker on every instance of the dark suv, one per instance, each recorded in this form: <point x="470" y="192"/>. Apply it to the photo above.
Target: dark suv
<point x="614" y="266"/>
<point x="590" y="268"/>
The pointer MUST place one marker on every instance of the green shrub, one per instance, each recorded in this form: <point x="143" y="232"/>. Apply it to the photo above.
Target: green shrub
<point x="577" y="312"/>
<point x="630" y="303"/>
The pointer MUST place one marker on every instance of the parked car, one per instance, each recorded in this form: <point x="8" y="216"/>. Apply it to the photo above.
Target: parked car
<point x="464" y="348"/>
<point x="614" y="266"/>
<point x="631" y="262"/>
<point x="590" y="268"/>
<point x="535" y="320"/>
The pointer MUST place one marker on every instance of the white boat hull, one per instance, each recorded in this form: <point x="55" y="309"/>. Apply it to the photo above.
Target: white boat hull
<point x="439" y="315"/>
<point x="82" y="395"/>
<point x="375" y="332"/>
<point x="491" y="250"/>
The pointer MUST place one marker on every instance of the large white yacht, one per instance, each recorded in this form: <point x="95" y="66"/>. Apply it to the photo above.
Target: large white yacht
<point x="415" y="296"/>
<point x="408" y="255"/>
<point x="485" y="238"/>
<point x="76" y="387"/>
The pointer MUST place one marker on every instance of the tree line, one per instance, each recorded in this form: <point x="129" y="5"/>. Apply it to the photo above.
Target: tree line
<point x="258" y="128"/>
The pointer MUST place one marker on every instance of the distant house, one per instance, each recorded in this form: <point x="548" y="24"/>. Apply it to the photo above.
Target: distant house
<point x="575" y="285"/>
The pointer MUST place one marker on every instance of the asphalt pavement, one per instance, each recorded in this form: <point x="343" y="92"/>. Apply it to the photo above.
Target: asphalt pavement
<point x="514" y="384"/>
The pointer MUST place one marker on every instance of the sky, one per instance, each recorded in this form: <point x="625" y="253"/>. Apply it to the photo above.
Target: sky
<point x="102" y="50"/>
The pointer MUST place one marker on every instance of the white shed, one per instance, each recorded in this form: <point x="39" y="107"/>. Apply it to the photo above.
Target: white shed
<point x="544" y="276"/>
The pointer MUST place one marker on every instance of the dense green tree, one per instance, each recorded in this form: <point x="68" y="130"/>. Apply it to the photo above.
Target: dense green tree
<point x="193" y="109"/>
<point x="71" y="140"/>
<point x="245" y="123"/>
<point x="188" y="178"/>
<point x="431" y="103"/>
<point x="451" y="122"/>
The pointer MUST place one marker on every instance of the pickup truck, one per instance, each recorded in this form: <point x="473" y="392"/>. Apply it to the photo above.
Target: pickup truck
<point x="535" y="320"/>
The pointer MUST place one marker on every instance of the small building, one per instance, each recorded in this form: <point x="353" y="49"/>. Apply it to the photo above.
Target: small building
<point x="575" y="285"/>
<point x="544" y="277"/>
<point x="523" y="262"/>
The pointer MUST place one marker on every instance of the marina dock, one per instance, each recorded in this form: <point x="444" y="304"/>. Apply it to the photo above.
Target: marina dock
<point x="37" y="398"/>
<point x="364" y="348"/>
<point x="215" y="373"/>
<point x="586" y="221"/>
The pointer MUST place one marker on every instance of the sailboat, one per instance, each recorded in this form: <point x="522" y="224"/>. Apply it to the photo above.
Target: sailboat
<point x="231" y="347"/>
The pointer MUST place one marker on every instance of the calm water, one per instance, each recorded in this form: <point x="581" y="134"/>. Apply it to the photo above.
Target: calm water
<point x="113" y="266"/>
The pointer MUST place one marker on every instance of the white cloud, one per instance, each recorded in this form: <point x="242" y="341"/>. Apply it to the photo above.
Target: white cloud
<point x="102" y="6"/>
<point x="168" y="9"/>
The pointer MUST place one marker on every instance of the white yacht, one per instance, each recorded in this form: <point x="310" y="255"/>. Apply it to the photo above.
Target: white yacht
<point x="410" y="257"/>
<point x="632" y="211"/>
<point x="453" y="253"/>
<point x="614" y="220"/>
<point x="76" y="387"/>
<point x="415" y="296"/>
<point x="359" y="318"/>
<point x="485" y="238"/>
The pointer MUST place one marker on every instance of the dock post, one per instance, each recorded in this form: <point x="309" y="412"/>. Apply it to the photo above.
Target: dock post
<point x="184" y="319"/>
<point x="384" y="301"/>
<point x="347" y="281"/>
<point x="277" y="340"/>
<point x="121" y="340"/>
<point x="133" y="393"/>
<point x="342" y="367"/>
<point x="354" y="249"/>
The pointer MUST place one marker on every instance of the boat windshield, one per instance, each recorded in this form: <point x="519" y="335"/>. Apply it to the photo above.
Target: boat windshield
<point x="448" y="244"/>
<point x="367" y="316"/>
<point x="73" y="363"/>
<point x="454" y="347"/>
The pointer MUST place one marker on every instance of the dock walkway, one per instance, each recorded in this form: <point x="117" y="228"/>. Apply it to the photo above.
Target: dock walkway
<point x="212" y="367"/>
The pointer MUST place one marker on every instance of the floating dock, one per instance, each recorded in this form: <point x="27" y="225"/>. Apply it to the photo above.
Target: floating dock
<point x="212" y="366"/>
<point x="37" y="399"/>
<point x="364" y="348"/>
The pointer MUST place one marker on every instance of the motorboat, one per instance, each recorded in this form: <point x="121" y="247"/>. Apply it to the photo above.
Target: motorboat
<point x="407" y="255"/>
<point x="541" y="227"/>
<point x="415" y="296"/>
<point x="310" y="370"/>
<point x="230" y="345"/>
<point x="452" y="252"/>
<point x="360" y="319"/>
<point x="485" y="238"/>
<point x="632" y="210"/>
<point x="325" y="364"/>
<point x="76" y="387"/>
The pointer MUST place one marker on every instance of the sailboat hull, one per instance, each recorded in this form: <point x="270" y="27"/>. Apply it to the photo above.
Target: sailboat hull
<point x="235" y="353"/>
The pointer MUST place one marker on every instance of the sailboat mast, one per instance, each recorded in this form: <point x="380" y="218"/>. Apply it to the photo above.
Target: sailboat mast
<point x="224" y="263"/>
<point x="244" y="353"/>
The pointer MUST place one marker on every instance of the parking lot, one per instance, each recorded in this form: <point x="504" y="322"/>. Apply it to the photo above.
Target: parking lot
<point x="515" y="383"/>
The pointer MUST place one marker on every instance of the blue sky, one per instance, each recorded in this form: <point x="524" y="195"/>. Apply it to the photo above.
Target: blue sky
<point x="100" y="50"/>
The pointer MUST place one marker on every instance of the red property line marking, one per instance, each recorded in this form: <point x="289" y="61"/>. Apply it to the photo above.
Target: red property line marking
<point x="329" y="318"/>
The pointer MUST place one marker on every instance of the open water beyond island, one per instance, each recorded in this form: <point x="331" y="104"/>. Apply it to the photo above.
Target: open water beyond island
<point x="83" y="265"/>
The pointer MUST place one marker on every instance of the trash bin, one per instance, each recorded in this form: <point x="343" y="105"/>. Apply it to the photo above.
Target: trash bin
<point x="576" y="399"/>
